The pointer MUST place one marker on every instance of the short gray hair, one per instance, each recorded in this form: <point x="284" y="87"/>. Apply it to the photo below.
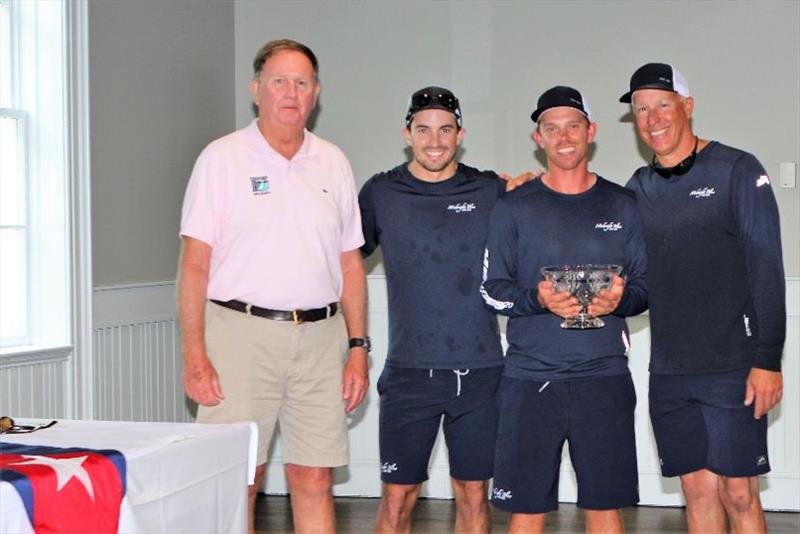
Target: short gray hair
<point x="269" y="49"/>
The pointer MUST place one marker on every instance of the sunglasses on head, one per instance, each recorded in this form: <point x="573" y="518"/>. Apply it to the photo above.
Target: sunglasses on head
<point x="428" y="99"/>
<point x="680" y="169"/>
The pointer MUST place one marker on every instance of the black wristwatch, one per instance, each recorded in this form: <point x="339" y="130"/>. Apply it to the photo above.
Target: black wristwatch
<point x="361" y="342"/>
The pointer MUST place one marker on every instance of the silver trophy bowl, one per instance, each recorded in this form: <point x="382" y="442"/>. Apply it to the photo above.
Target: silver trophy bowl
<point x="584" y="282"/>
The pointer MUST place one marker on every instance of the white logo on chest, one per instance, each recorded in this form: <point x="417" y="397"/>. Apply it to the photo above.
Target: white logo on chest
<point x="461" y="207"/>
<point x="702" y="193"/>
<point x="608" y="226"/>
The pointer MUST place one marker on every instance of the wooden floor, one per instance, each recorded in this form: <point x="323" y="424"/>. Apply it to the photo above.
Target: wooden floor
<point x="435" y="516"/>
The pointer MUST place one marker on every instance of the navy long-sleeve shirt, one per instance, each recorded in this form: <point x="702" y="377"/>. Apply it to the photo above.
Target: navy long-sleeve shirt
<point x="432" y="235"/>
<point x="717" y="290"/>
<point x="534" y="227"/>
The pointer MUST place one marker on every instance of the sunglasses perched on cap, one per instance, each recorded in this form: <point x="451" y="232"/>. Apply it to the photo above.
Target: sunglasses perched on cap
<point x="433" y="100"/>
<point x="681" y="168"/>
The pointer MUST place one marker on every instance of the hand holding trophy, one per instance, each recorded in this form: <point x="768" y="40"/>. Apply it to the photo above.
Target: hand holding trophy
<point x="583" y="282"/>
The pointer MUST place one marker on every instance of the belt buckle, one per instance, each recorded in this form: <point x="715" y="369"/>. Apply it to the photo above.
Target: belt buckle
<point x="296" y="317"/>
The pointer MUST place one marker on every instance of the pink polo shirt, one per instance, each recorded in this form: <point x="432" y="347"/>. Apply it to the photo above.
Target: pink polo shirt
<point x="277" y="228"/>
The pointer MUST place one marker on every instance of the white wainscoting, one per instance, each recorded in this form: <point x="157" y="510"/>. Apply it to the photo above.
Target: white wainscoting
<point x="33" y="384"/>
<point x="138" y="377"/>
<point x="137" y="357"/>
<point x="780" y="487"/>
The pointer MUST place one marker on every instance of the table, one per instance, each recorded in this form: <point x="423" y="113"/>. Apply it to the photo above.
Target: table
<point x="181" y="477"/>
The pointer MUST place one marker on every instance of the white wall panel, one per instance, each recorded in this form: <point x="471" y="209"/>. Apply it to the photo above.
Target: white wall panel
<point x="34" y="389"/>
<point x="137" y="372"/>
<point x="780" y="486"/>
<point x="138" y="366"/>
<point x="137" y="355"/>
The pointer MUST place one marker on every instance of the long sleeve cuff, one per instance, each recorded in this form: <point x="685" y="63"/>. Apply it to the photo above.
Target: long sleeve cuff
<point x="769" y="357"/>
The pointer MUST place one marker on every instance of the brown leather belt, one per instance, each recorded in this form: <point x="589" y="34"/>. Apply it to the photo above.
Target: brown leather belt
<point x="296" y="316"/>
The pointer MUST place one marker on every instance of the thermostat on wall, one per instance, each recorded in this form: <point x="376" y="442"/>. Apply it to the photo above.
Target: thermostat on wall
<point x="788" y="174"/>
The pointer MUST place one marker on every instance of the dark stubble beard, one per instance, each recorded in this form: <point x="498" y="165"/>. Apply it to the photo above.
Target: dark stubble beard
<point x="439" y="168"/>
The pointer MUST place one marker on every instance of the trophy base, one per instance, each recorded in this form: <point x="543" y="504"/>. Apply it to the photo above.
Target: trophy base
<point x="582" y="322"/>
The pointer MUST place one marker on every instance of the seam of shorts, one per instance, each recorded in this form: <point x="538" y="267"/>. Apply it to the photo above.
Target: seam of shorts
<point x="753" y="473"/>
<point x="330" y="461"/>
<point x="626" y="504"/>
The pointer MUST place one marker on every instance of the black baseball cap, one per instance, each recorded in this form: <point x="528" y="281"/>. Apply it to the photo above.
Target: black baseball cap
<point x="560" y="96"/>
<point x="657" y="76"/>
<point x="433" y="98"/>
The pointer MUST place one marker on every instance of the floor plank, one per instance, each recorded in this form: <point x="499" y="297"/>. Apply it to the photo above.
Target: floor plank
<point x="356" y="515"/>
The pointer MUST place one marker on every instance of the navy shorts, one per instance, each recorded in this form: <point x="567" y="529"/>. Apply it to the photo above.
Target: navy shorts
<point x="596" y="417"/>
<point x="415" y="401"/>
<point x="701" y="422"/>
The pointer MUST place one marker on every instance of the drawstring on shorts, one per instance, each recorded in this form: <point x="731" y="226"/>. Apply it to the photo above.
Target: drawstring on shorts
<point x="459" y="373"/>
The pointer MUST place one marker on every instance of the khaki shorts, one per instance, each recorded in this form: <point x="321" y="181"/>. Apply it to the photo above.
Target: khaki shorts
<point x="279" y="371"/>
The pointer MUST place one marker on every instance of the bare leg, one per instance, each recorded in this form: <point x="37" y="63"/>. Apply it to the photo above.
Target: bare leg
<point x="397" y="504"/>
<point x="526" y="524"/>
<point x="739" y="496"/>
<point x="604" y="522"/>
<point x="704" y="511"/>
<point x="311" y="497"/>
<point x="252" y="493"/>
<point x="472" y="507"/>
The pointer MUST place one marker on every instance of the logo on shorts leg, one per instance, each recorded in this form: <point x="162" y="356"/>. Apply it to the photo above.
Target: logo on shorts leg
<point x="761" y="460"/>
<point x="387" y="468"/>
<point x="500" y="494"/>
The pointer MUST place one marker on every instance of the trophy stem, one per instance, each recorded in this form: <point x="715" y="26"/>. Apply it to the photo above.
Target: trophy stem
<point x="582" y="321"/>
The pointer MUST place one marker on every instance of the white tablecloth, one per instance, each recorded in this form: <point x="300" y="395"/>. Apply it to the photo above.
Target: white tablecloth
<point x="181" y="477"/>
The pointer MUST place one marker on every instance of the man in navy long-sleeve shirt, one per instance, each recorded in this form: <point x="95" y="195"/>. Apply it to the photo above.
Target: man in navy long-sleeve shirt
<point x="717" y="305"/>
<point x="561" y="384"/>
<point x="430" y="218"/>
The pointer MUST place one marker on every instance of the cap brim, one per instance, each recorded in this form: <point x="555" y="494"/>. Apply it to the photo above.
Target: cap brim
<point x="539" y="112"/>
<point x="410" y="114"/>
<point x="627" y="98"/>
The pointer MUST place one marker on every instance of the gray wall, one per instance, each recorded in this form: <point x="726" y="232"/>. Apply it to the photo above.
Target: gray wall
<point x="162" y="87"/>
<point x="740" y="58"/>
<point x="167" y="77"/>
